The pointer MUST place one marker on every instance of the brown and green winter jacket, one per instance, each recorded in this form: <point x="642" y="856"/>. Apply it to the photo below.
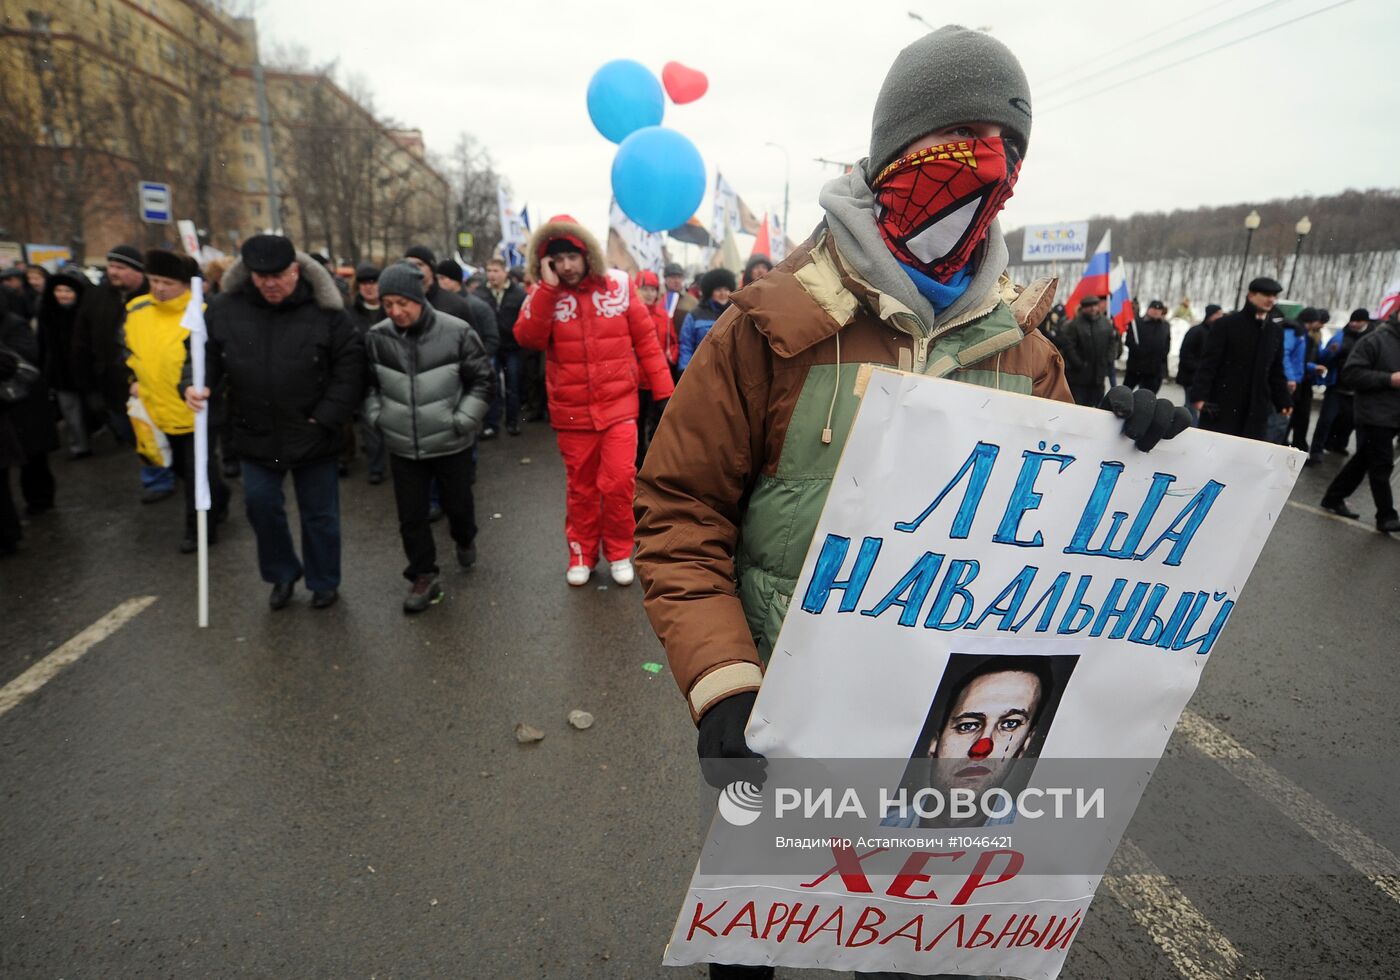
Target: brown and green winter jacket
<point x="737" y="475"/>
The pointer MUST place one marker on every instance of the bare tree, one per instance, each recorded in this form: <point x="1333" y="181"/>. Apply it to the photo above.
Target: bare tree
<point x="55" y="168"/>
<point x="474" y="180"/>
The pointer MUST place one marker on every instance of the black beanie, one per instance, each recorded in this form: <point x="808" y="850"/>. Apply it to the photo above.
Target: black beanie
<point x="127" y="255"/>
<point x="423" y="254"/>
<point x="714" y="279"/>
<point x="170" y="265"/>
<point x="1360" y="314"/>
<point x="449" y="269"/>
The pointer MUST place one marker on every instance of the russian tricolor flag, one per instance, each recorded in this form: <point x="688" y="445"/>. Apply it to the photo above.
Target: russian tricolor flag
<point x="1120" y="304"/>
<point x="1096" y="276"/>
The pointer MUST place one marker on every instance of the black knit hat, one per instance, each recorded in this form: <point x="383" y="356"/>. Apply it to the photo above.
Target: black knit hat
<point x="1359" y="314"/>
<point x="170" y="265"/>
<point x="1309" y="315"/>
<point x="267" y="254"/>
<point x="449" y="269"/>
<point x="127" y="255"/>
<point x="1211" y="309"/>
<point x="423" y="254"/>
<point x="715" y="279"/>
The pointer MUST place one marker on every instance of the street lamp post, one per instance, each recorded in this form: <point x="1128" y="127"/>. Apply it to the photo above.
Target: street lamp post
<point x="1251" y="225"/>
<point x="787" y="181"/>
<point x="1302" y="228"/>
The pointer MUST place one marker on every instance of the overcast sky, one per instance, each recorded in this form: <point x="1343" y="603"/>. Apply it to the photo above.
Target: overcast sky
<point x="1307" y="108"/>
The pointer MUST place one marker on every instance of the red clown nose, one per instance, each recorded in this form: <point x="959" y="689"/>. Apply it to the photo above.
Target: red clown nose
<point x="980" y="748"/>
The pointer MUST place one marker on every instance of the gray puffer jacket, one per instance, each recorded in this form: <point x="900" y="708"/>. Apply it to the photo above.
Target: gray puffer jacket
<point x="429" y="385"/>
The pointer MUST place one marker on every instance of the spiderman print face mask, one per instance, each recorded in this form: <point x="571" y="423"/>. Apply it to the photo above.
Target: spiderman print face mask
<point x="935" y="205"/>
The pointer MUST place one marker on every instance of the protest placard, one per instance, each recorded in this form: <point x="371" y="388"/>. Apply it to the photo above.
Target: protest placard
<point x="1003" y="612"/>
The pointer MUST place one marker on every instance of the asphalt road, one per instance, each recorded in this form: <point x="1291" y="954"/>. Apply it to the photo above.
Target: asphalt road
<point x="339" y="793"/>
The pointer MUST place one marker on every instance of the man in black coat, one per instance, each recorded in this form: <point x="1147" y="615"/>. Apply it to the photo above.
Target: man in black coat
<point x="1149" y="341"/>
<point x="1239" y="385"/>
<point x="1373" y="373"/>
<point x="466" y="308"/>
<point x="98" y="342"/>
<point x="27" y="430"/>
<point x="505" y="299"/>
<point x="366" y="311"/>
<point x="1192" y="345"/>
<point x="295" y="365"/>
<point x="1090" y="342"/>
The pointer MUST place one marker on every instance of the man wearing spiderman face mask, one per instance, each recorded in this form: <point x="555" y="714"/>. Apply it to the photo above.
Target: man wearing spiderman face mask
<point x="907" y="269"/>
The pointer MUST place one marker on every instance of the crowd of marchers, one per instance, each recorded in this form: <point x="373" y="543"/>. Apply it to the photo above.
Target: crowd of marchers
<point x="1257" y="373"/>
<point x="313" y="377"/>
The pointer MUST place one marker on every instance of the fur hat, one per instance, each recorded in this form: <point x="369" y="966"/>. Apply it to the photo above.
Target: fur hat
<point x="170" y="265"/>
<point x="714" y="279"/>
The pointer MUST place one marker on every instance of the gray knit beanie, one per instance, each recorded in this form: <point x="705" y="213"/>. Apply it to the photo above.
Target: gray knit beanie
<point x="401" y="279"/>
<point x="954" y="75"/>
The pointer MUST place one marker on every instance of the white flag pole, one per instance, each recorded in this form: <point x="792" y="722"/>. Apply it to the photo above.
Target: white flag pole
<point x="193" y="321"/>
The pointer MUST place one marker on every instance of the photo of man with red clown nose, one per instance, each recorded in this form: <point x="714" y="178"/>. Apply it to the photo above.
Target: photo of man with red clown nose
<point x="987" y="715"/>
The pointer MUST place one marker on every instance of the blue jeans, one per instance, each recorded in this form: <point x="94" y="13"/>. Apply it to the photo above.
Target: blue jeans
<point x="317" y="487"/>
<point x="508" y="363"/>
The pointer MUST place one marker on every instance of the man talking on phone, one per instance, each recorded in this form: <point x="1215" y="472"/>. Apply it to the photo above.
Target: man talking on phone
<point x="595" y="333"/>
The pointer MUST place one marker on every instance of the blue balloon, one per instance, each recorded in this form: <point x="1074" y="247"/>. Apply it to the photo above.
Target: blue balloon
<point x="624" y="96"/>
<point x="658" y="178"/>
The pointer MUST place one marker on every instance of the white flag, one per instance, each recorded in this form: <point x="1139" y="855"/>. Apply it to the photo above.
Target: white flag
<point x="193" y="321"/>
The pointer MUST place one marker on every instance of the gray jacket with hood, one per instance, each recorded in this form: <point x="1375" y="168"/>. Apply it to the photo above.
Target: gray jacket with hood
<point x="429" y="385"/>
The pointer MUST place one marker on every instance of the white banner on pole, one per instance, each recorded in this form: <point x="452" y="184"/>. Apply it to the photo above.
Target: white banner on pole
<point x="993" y="579"/>
<point x="645" y="247"/>
<point x="1065" y="241"/>
<point x="514" y="234"/>
<point x="193" y="321"/>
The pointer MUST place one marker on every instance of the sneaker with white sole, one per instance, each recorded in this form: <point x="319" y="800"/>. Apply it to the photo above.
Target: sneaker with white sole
<point x="579" y="569"/>
<point x="622" y="572"/>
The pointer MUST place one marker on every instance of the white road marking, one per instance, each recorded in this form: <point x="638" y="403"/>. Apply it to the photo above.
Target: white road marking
<point x="1368" y="857"/>
<point x="48" y="668"/>
<point x="1196" y="948"/>
<point x="1351" y="522"/>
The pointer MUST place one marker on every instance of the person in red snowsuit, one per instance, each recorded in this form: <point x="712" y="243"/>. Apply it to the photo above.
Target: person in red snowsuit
<point x="596" y="334"/>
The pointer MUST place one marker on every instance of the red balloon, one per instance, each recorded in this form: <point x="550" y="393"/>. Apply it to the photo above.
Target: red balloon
<point x="683" y="84"/>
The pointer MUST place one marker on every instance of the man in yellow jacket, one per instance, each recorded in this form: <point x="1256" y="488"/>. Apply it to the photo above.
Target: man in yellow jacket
<point x="157" y="346"/>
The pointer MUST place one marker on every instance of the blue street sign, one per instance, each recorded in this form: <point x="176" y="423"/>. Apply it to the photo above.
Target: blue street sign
<point x="155" y="202"/>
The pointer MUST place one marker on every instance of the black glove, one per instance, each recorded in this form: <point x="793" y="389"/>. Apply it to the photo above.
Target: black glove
<point x="724" y="755"/>
<point x="1148" y="419"/>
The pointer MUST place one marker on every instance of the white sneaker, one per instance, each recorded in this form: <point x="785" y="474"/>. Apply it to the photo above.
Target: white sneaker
<point x="622" y="572"/>
<point x="580" y="569"/>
